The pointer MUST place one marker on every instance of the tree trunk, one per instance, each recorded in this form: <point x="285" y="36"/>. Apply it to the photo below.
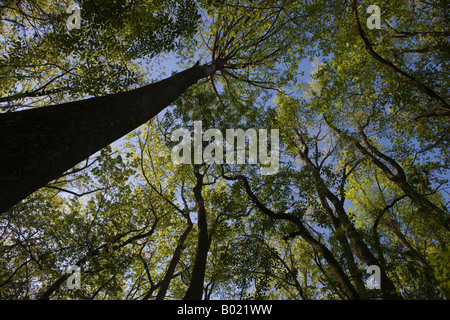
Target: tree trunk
<point x="195" y="289"/>
<point x="355" y="273"/>
<point x="39" y="145"/>
<point x="338" y="272"/>
<point x="164" y="286"/>
<point x="363" y="252"/>
<point x="360" y="249"/>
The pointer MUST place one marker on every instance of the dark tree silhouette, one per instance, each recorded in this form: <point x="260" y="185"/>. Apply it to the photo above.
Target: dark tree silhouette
<point x="39" y="145"/>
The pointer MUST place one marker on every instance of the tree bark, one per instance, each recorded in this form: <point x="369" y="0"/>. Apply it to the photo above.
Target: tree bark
<point x="195" y="289"/>
<point x="360" y="248"/>
<point x="355" y="273"/>
<point x="39" y="145"/>
<point x="164" y="286"/>
<point x="336" y="268"/>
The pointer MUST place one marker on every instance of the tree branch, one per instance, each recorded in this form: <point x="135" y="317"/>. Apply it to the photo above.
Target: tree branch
<point x="444" y="108"/>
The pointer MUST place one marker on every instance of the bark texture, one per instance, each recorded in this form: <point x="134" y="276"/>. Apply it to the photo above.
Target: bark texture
<point x="165" y="283"/>
<point x="336" y="269"/>
<point x="39" y="145"/>
<point x="195" y="289"/>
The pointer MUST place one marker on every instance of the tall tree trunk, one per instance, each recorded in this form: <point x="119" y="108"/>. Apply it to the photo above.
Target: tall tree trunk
<point x="336" y="269"/>
<point x="355" y="273"/>
<point x="39" y="145"/>
<point x="195" y="289"/>
<point x="363" y="252"/>
<point x="164" y="286"/>
<point x="360" y="248"/>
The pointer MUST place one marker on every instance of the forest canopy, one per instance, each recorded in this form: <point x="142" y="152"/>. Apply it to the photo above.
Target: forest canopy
<point x="361" y="117"/>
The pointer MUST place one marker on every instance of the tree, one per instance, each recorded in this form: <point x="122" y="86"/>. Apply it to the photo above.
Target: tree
<point x="41" y="144"/>
<point x="86" y="46"/>
<point x="362" y="177"/>
<point x="97" y="59"/>
<point x="20" y="168"/>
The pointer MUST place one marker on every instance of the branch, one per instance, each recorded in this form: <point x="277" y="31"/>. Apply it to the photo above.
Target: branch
<point x="385" y="209"/>
<point x="114" y="245"/>
<point x="306" y="235"/>
<point x="444" y="106"/>
<point x="75" y="193"/>
<point x="407" y="34"/>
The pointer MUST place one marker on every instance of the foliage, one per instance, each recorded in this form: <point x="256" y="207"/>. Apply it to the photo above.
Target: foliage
<point x="364" y="160"/>
<point x="42" y="61"/>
